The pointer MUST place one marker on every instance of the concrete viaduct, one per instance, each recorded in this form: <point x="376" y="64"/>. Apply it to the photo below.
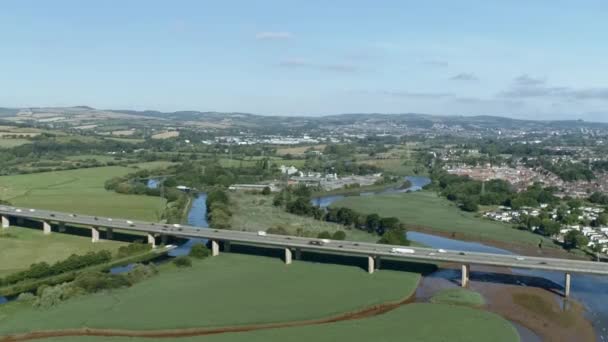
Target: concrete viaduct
<point x="293" y="246"/>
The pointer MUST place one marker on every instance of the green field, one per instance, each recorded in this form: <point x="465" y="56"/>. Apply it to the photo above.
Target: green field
<point x="256" y="212"/>
<point x="414" y="322"/>
<point x="231" y="289"/>
<point x="428" y="210"/>
<point x="26" y="246"/>
<point x="8" y="143"/>
<point x="80" y="191"/>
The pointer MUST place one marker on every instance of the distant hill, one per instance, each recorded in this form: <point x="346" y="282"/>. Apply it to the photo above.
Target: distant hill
<point x="247" y="120"/>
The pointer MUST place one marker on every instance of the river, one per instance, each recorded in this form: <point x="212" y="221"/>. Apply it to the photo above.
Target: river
<point x="416" y="183"/>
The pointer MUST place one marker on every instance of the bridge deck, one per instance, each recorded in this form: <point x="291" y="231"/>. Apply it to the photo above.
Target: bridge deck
<point x="302" y="243"/>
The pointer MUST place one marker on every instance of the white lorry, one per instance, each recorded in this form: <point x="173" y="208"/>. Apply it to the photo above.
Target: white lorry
<point x="402" y="251"/>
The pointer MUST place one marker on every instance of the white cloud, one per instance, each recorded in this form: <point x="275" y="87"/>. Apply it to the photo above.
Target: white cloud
<point x="464" y="76"/>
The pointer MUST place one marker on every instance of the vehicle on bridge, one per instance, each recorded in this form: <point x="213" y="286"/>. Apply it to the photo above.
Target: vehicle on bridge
<point x="402" y="251"/>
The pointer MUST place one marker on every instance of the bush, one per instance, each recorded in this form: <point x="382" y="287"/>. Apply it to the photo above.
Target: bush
<point x="96" y="281"/>
<point x="277" y="230"/>
<point x="339" y="235"/>
<point x="133" y="248"/>
<point x="26" y="297"/>
<point x="395" y="237"/>
<point x="182" y="261"/>
<point x="324" y="235"/>
<point x="199" y="251"/>
<point x="141" y="272"/>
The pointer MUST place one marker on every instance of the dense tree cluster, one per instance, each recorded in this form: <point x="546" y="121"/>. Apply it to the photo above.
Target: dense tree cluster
<point x="470" y="193"/>
<point x="88" y="282"/>
<point x="199" y="251"/>
<point x="133" y="249"/>
<point x="599" y="198"/>
<point x="43" y="269"/>
<point x="297" y="200"/>
<point x="218" y="209"/>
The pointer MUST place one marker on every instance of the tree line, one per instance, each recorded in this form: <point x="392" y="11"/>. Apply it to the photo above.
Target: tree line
<point x="297" y="200"/>
<point x="43" y="269"/>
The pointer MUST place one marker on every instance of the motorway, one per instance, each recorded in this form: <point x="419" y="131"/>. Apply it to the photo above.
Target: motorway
<point x="308" y="244"/>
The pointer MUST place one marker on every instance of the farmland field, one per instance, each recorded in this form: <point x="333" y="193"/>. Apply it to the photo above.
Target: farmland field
<point x="79" y="191"/>
<point x="426" y="209"/>
<point x="21" y="247"/>
<point x="413" y="322"/>
<point x="12" y="142"/>
<point x="231" y="289"/>
<point x="256" y="212"/>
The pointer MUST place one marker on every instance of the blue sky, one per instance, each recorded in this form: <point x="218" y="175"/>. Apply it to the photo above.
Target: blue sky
<point x="527" y="59"/>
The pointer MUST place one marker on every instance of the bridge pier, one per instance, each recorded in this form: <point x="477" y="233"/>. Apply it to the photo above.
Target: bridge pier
<point x="94" y="234"/>
<point x="288" y="256"/>
<point x="5" y="222"/>
<point x="109" y="233"/>
<point x="61" y="227"/>
<point x="567" y="285"/>
<point x="370" y="265"/>
<point x="466" y="269"/>
<point x="46" y="227"/>
<point x="152" y="240"/>
<point x="227" y="246"/>
<point x="215" y="248"/>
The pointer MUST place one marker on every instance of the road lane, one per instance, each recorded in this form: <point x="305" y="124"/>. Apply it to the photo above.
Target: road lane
<point x="302" y="243"/>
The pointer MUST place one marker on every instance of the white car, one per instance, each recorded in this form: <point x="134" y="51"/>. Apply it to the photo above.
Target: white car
<point x="441" y="250"/>
<point x="431" y="254"/>
<point x="176" y="225"/>
<point x="32" y="210"/>
<point x="109" y="219"/>
<point x="325" y="241"/>
<point x="261" y="233"/>
<point x="520" y="258"/>
<point x="402" y="251"/>
<point x="18" y="210"/>
<point x="129" y="222"/>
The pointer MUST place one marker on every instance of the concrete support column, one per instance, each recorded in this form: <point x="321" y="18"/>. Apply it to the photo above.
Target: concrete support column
<point x="298" y="254"/>
<point x="109" y="233"/>
<point x="163" y="239"/>
<point x="61" y="227"/>
<point x="215" y="248"/>
<point x="46" y="227"/>
<point x="5" y="222"/>
<point x="227" y="246"/>
<point x="370" y="264"/>
<point x="152" y="240"/>
<point x="466" y="269"/>
<point x="94" y="234"/>
<point x="287" y="256"/>
<point x="567" y="286"/>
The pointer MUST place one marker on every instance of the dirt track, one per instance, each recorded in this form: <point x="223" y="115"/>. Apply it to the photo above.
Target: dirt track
<point x="172" y="333"/>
